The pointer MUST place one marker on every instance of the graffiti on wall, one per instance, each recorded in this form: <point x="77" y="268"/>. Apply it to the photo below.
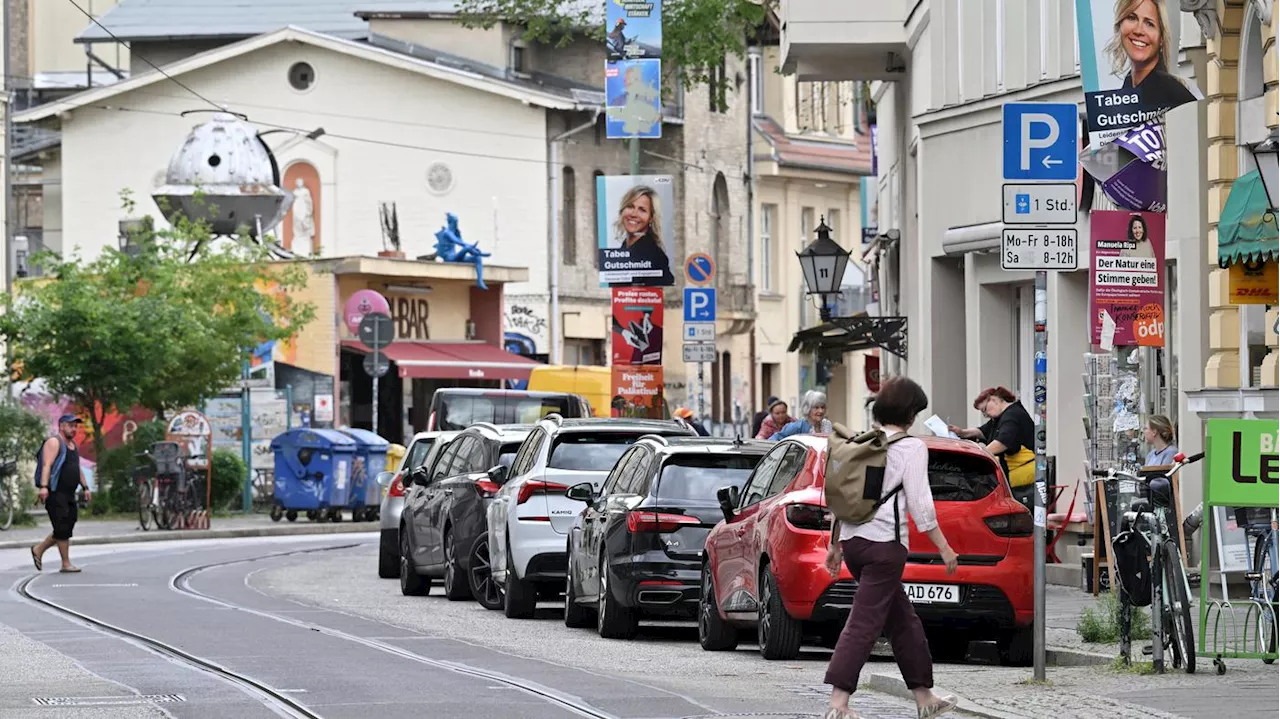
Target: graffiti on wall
<point x="526" y="316"/>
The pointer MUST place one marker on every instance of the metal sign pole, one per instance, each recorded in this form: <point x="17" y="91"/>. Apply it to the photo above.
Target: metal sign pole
<point x="246" y="436"/>
<point x="375" y="377"/>
<point x="1042" y="468"/>
<point x="702" y="386"/>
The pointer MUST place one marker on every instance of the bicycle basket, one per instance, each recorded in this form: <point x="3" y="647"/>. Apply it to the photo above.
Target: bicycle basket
<point x="1253" y="517"/>
<point x="166" y="457"/>
<point x="1133" y="567"/>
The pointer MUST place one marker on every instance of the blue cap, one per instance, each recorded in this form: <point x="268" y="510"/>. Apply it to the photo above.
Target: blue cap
<point x="69" y="418"/>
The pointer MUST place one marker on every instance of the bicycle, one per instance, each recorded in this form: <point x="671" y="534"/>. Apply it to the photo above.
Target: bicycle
<point x="9" y="495"/>
<point x="1259" y="524"/>
<point x="1146" y="552"/>
<point x="147" y="491"/>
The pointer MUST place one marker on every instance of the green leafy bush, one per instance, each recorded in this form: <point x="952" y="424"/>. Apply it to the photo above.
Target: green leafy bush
<point x="228" y="478"/>
<point x="115" y="470"/>
<point x="21" y="433"/>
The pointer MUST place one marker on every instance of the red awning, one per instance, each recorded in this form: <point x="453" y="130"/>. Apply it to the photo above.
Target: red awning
<point x="453" y="360"/>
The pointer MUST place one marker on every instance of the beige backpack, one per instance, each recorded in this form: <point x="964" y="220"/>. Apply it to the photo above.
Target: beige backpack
<point x="855" y="473"/>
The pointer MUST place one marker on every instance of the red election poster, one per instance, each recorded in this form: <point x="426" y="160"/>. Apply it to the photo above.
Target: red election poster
<point x="1126" y="278"/>
<point x="637" y="326"/>
<point x="637" y="392"/>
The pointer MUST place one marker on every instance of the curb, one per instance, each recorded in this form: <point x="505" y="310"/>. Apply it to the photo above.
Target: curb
<point x="191" y="534"/>
<point x="894" y="686"/>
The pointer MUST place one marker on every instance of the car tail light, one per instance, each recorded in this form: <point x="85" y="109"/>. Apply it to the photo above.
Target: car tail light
<point x="528" y="489"/>
<point x="486" y="488"/>
<point x="1018" y="524"/>
<point x="809" y="516"/>
<point x="396" y="489"/>
<point x="641" y="521"/>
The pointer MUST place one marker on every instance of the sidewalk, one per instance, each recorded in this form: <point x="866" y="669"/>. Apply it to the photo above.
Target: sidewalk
<point x="119" y="531"/>
<point x="1247" y="691"/>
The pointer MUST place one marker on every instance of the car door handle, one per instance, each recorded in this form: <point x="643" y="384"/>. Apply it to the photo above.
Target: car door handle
<point x="448" y="491"/>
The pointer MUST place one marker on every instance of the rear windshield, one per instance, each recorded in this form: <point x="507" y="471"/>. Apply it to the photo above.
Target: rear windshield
<point x="457" y="412"/>
<point x="590" y="452"/>
<point x="960" y="478"/>
<point x="507" y="455"/>
<point x="698" y="477"/>
<point x="418" y="453"/>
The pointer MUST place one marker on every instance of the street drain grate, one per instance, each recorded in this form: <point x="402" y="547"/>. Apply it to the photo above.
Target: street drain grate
<point x="118" y="701"/>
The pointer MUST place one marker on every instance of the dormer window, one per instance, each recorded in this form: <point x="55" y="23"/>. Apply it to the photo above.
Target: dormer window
<point x="518" y="63"/>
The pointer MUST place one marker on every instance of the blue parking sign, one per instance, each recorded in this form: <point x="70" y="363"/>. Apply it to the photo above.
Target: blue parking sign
<point x="1041" y="141"/>
<point x="699" y="304"/>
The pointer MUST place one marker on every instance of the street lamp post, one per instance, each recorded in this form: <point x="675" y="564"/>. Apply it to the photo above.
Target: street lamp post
<point x="1266" y="157"/>
<point x="823" y="262"/>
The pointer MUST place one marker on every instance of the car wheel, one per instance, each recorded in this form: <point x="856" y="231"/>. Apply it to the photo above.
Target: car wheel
<point x="480" y="575"/>
<point x="456" y="588"/>
<point x="576" y="616"/>
<point x="521" y="597"/>
<point x="388" y="554"/>
<point x="412" y="584"/>
<point x="1017" y="647"/>
<point x="779" y="634"/>
<point x="613" y="621"/>
<point x="714" y="633"/>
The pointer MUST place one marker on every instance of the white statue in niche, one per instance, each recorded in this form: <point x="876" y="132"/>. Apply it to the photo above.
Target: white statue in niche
<point x="304" y="222"/>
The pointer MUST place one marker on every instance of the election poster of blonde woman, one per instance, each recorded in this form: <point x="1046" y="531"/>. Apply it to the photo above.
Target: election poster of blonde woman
<point x="635" y="230"/>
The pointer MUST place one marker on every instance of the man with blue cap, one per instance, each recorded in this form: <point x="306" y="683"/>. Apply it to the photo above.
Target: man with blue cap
<point x="57" y="477"/>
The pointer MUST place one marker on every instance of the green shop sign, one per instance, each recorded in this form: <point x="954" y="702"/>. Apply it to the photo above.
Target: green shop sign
<point x="1243" y="464"/>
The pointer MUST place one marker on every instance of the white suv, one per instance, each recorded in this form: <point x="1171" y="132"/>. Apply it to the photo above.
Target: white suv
<point x="530" y="518"/>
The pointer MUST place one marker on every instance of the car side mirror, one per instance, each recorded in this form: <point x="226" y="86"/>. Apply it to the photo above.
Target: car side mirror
<point x="728" y="498"/>
<point x="497" y="474"/>
<point x="418" y="476"/>
<point x="581" y="492"/>
<point x="384" y="479"/>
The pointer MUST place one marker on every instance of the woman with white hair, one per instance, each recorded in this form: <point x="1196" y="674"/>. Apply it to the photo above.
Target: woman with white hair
<point x="813" y="417"/>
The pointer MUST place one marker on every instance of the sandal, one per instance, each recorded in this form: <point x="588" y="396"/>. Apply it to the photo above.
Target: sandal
<point x="76" y="570"/>
<point x="37" y="560"/>
<point x="944" y="704"/>
<point x="833" y="713"/>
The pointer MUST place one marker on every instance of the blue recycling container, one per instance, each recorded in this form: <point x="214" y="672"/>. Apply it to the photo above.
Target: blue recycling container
<point x="312" y="469"/>
<point x="371" y="458"/>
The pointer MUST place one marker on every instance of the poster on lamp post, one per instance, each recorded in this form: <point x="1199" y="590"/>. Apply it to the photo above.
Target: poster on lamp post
<point x="1126" y="278"/>
<point x="635" y="230"/>
<point x="1127" y="57"/>
<point x="633" y="69"/>
<point x="637" y="392"/>
<point x="636" y="338"/>
<point x="1131" y="168"/>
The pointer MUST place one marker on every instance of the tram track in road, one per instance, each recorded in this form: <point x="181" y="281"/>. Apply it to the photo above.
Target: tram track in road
<point x="280" y="703"/>
<point x="180" y="583"/>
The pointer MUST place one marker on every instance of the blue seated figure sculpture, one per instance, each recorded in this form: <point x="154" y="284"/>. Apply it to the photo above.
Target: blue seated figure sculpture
<point x="451" y="248"/>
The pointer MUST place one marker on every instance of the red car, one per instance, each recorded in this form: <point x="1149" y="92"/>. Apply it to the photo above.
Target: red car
<point x="763" y="564"/>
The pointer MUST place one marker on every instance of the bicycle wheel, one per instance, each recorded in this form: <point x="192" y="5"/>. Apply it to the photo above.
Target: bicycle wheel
<point x="144" y="505"/>
<point x="1264" y="590"/>
<point x="1178" y="605"/>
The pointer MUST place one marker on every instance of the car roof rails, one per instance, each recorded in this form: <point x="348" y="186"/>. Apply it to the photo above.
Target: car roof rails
<point x="657" y="438"/>
<point x="486" y="425"/>
<point x="555" y="418"/>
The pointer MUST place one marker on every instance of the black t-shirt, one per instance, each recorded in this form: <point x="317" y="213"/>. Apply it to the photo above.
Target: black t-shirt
<point x="69" y="476"/>
<point x="1013" y="428"/>
<point x="1160" y="90"/>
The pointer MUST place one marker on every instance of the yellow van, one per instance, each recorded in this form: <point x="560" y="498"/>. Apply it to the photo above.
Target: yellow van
<point x="592" y="383"/>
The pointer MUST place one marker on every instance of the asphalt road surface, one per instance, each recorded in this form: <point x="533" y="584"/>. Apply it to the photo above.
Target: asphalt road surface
<point x="178" y="629"/>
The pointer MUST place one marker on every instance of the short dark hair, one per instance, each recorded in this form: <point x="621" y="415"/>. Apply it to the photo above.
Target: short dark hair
<point x="898" y="402"/>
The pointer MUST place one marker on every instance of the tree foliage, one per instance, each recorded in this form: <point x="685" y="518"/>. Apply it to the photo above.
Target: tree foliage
<point x="697" y="35"/>
<point x="21" y="432"/>
<point x="163" y="326"/>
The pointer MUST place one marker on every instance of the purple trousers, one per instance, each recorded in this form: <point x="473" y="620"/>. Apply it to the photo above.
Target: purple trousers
<point x="879" y="606"/>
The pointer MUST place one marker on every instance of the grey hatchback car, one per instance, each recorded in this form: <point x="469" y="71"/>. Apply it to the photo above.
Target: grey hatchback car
<point x="423" y="451"/>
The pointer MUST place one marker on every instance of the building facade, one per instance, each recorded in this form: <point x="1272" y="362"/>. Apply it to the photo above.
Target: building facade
<point x="942" y="70"/>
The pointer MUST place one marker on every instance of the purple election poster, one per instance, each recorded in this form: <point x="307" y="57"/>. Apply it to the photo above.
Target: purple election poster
<point x="1131" y="169"/>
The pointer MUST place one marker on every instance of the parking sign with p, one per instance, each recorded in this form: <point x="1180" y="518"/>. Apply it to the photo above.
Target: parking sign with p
<point x="1041" y="141"/>
<point x="699" y="304"/>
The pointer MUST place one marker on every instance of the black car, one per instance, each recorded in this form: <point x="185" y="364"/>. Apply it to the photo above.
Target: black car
<point x="444" y="513"/>
<point x="456" y="408"/>
<point x="636" y="550"/>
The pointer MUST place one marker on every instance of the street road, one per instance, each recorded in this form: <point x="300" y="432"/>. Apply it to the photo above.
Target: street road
<point x="217" y="646"/>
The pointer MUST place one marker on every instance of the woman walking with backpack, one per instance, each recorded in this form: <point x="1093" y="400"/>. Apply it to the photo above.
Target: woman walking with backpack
<point x="875" y="552"/>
